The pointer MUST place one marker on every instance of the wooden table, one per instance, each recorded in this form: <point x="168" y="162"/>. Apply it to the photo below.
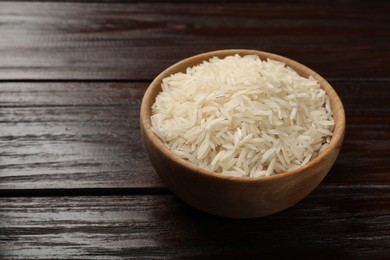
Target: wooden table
<point x="75" y="181"/>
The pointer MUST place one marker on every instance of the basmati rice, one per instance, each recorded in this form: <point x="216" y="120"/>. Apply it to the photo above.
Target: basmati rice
<point x="243" y="116"/>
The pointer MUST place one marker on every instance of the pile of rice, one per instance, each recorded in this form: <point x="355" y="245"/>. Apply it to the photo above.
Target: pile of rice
<point x="241" y="116"/>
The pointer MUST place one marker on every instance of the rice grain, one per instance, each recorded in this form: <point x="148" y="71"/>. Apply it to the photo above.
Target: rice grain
<point x="243" y="116"/>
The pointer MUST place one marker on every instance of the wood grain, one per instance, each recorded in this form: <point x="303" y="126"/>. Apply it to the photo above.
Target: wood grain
<point x="86" y="135"/>
<point x="56" y="135"/>
<point x="138" y="40"/>
<point x="329" y="223"/>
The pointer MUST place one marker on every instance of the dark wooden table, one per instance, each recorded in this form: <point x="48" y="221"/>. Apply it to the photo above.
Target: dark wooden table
<point x="75" y="181"/>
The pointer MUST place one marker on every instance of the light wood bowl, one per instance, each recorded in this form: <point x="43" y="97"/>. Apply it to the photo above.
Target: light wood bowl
<point x="238" y="197"/>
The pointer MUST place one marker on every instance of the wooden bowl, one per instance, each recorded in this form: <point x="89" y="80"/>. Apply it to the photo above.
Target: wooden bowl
<point x="238" y="197"/>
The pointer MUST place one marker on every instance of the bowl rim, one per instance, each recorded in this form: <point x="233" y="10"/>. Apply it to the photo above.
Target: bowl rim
<point x="148" y="100"/>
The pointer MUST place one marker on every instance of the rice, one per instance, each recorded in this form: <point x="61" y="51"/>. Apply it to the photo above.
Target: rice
<point x="243" y="116"/>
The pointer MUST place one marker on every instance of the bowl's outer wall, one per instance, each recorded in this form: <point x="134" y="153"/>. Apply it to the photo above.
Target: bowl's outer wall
<point x="237" y="199"/>
<point x="227" y="196"/>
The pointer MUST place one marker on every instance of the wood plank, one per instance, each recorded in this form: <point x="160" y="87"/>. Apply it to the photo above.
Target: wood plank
<point x="364" y="158"/>
<point x="86" y="135"/>
<point x="329" y="223"/>
<point x="139" y="40"/>
<point x="72" y="135"/>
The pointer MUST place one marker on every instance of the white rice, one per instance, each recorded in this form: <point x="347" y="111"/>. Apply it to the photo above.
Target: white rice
<point x="241" y="116"/>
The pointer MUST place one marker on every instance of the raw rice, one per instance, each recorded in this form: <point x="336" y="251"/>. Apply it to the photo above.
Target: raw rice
<point x="242" y="116"/>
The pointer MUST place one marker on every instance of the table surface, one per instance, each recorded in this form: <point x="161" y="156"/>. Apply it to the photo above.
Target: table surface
<point x="75" y="181"/>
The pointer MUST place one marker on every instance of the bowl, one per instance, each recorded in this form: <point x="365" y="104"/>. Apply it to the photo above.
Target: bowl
<point x="238" y="197"/>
